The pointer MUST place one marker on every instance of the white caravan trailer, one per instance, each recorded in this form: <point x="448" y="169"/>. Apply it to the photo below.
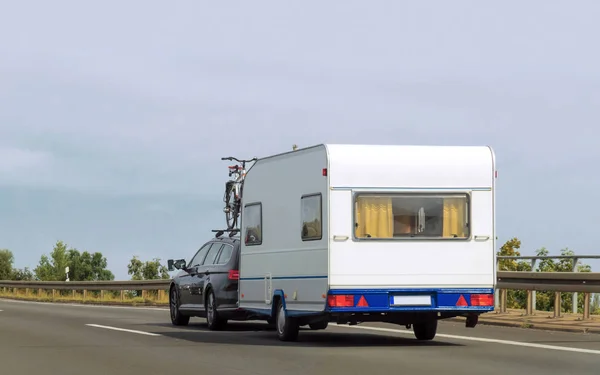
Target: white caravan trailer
<point x="359" y="233"/>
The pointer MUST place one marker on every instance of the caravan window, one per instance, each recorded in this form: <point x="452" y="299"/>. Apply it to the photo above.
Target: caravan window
<point x="252" y="221"/>
<point x="312" y="222"/>
<point x="406" y="216"/>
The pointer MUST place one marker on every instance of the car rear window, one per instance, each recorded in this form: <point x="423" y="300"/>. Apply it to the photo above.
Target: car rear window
<point x="225" y="254"/>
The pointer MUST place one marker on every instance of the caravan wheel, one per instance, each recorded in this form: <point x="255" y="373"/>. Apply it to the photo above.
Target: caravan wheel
<point x="287" y="328"/>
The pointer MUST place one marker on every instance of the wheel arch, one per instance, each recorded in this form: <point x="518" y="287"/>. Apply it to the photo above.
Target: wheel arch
<point x="278" y="296"/>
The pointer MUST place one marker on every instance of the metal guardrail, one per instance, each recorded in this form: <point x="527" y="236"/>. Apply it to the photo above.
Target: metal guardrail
<point x="558" y="282"/>
<point x="533" y="260"/>
<point x="89" y="285"/>
<point x="130" y="285"/>
<point x="585" y="282"/>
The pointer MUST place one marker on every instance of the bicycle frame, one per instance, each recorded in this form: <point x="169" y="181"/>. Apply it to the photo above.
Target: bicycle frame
<point x="234" y="186"/>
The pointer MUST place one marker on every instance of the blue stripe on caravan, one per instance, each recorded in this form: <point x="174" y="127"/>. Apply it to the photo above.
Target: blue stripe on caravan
<point x="286" y="277"/>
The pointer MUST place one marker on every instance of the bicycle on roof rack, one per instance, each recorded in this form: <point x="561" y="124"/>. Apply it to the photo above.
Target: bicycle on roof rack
<point x="233" y="191"/>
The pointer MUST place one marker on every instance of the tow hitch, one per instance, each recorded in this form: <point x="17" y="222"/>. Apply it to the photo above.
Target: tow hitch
<point x="471" y="321"/>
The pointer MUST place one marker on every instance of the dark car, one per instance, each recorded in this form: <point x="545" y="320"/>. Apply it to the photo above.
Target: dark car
<point x="207" y="286"/>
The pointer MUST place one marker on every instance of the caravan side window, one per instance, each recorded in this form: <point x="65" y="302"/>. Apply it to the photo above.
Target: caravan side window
<point x="252" y="222"/>
<point x="312" y="217"/>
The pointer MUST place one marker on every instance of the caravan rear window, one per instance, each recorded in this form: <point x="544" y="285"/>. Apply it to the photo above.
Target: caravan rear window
<point x="406" y="216"/>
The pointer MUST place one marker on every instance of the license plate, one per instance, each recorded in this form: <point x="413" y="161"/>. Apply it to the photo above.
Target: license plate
<point x="411" y="300"/>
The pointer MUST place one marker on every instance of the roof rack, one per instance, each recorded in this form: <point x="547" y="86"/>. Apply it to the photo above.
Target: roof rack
<point x="220" y="232"/>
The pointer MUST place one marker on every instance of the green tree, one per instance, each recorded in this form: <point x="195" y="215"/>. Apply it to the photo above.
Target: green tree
<point x="515" y="298"/>
<point x="149" y="270"/>
<point x="53" y="268"/>
<point x="6" y="264"/>
<point x="24" y="274"/>
<point x="545" y="299"/>
<point x="82" y="266"/>
<point x="86" y="266"/>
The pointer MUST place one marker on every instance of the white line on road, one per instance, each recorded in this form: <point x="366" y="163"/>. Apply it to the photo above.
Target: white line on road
<point x="123" y="330"/>
<point x="93" y="306"/>
<point x="481" y="339"/>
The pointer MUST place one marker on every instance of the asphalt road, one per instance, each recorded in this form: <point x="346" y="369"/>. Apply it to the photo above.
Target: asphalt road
<point x="77" y="339"/>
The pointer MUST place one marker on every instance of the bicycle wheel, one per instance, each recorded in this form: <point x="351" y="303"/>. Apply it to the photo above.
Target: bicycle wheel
<point x="231" y="211"/>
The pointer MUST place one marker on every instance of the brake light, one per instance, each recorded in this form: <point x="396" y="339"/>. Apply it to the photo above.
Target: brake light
<point x="482" y="300"/>
<point x="340" y="300"/>
<point x="234" y="275"/>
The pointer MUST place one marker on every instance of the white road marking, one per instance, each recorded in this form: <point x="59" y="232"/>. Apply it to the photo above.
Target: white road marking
<point x="480" y="339"/>
<point x="161" y="309"/>
<point x="123" y="330"/>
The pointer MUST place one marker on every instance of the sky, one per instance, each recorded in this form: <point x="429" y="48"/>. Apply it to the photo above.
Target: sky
<point x="114" y="115"/>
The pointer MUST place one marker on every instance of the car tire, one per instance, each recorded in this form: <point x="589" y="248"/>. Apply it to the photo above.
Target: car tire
<point x="287" y="327"/>
<point x="177" y="317"/>
<point x="214" y="321"/>
<point x="426" y="330"/>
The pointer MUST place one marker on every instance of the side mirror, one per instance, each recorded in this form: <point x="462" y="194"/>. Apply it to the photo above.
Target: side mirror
<point x="172" y="265"/>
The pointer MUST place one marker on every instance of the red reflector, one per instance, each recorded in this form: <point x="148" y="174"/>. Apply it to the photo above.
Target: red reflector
<point x="324" y="171"/>
<point x="362" y="302"/>
<point x="343" y="300"/>
<point x="234" y="275"/>
<point x="482" y="300"/>
<point x="462" y="301"/>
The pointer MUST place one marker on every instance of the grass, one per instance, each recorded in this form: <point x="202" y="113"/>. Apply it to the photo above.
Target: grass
<point x="148" y="298"/>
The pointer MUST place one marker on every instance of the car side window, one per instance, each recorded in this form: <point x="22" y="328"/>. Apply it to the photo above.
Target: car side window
<point x="212" y="253"/>
<point x="199" y="257"/>
<point x="225" y="255"/>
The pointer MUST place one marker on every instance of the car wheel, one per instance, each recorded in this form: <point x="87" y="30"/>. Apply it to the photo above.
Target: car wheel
<point x="287" y="327"/>
<point x="213" y="318"/>
<point x="177" y="318"/>
<point x="425" y="331"/>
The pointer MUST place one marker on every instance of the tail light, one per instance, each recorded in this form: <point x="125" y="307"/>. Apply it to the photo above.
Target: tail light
<point x="234" y="275"/>
<point x="340" y="300"/>
<point x="482" y="300"/>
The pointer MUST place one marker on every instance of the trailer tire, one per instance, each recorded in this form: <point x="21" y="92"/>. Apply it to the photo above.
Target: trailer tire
<point x="287" y="327"/>
<point x="426" y="330"/>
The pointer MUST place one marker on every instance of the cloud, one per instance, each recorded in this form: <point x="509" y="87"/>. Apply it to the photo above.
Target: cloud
<point x="18" y="162"/>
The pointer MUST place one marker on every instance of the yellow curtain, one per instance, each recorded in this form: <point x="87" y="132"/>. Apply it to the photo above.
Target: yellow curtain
<point x="454" y="217"/>
<point x="375" y="217"/>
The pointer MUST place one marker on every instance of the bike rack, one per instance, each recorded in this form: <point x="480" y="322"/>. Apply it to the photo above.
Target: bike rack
<point x="220" y="232"/>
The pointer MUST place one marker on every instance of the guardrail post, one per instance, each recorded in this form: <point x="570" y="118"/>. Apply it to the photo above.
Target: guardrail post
<point x="53" y="294"/>
<point x="101" y="295"/>
<point x="122" y="295"/>
<point x="557" y="301"/>
<point x="586" y="306"/>
<point x="575" y="300"/>
<point x="533" y="294"/>
<point x="530" y="303"/>
<point x="73" y="293"/>
<point x="497" y="292"/>
<point x="503" y="300"/>
<point x="84" y="294"/>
